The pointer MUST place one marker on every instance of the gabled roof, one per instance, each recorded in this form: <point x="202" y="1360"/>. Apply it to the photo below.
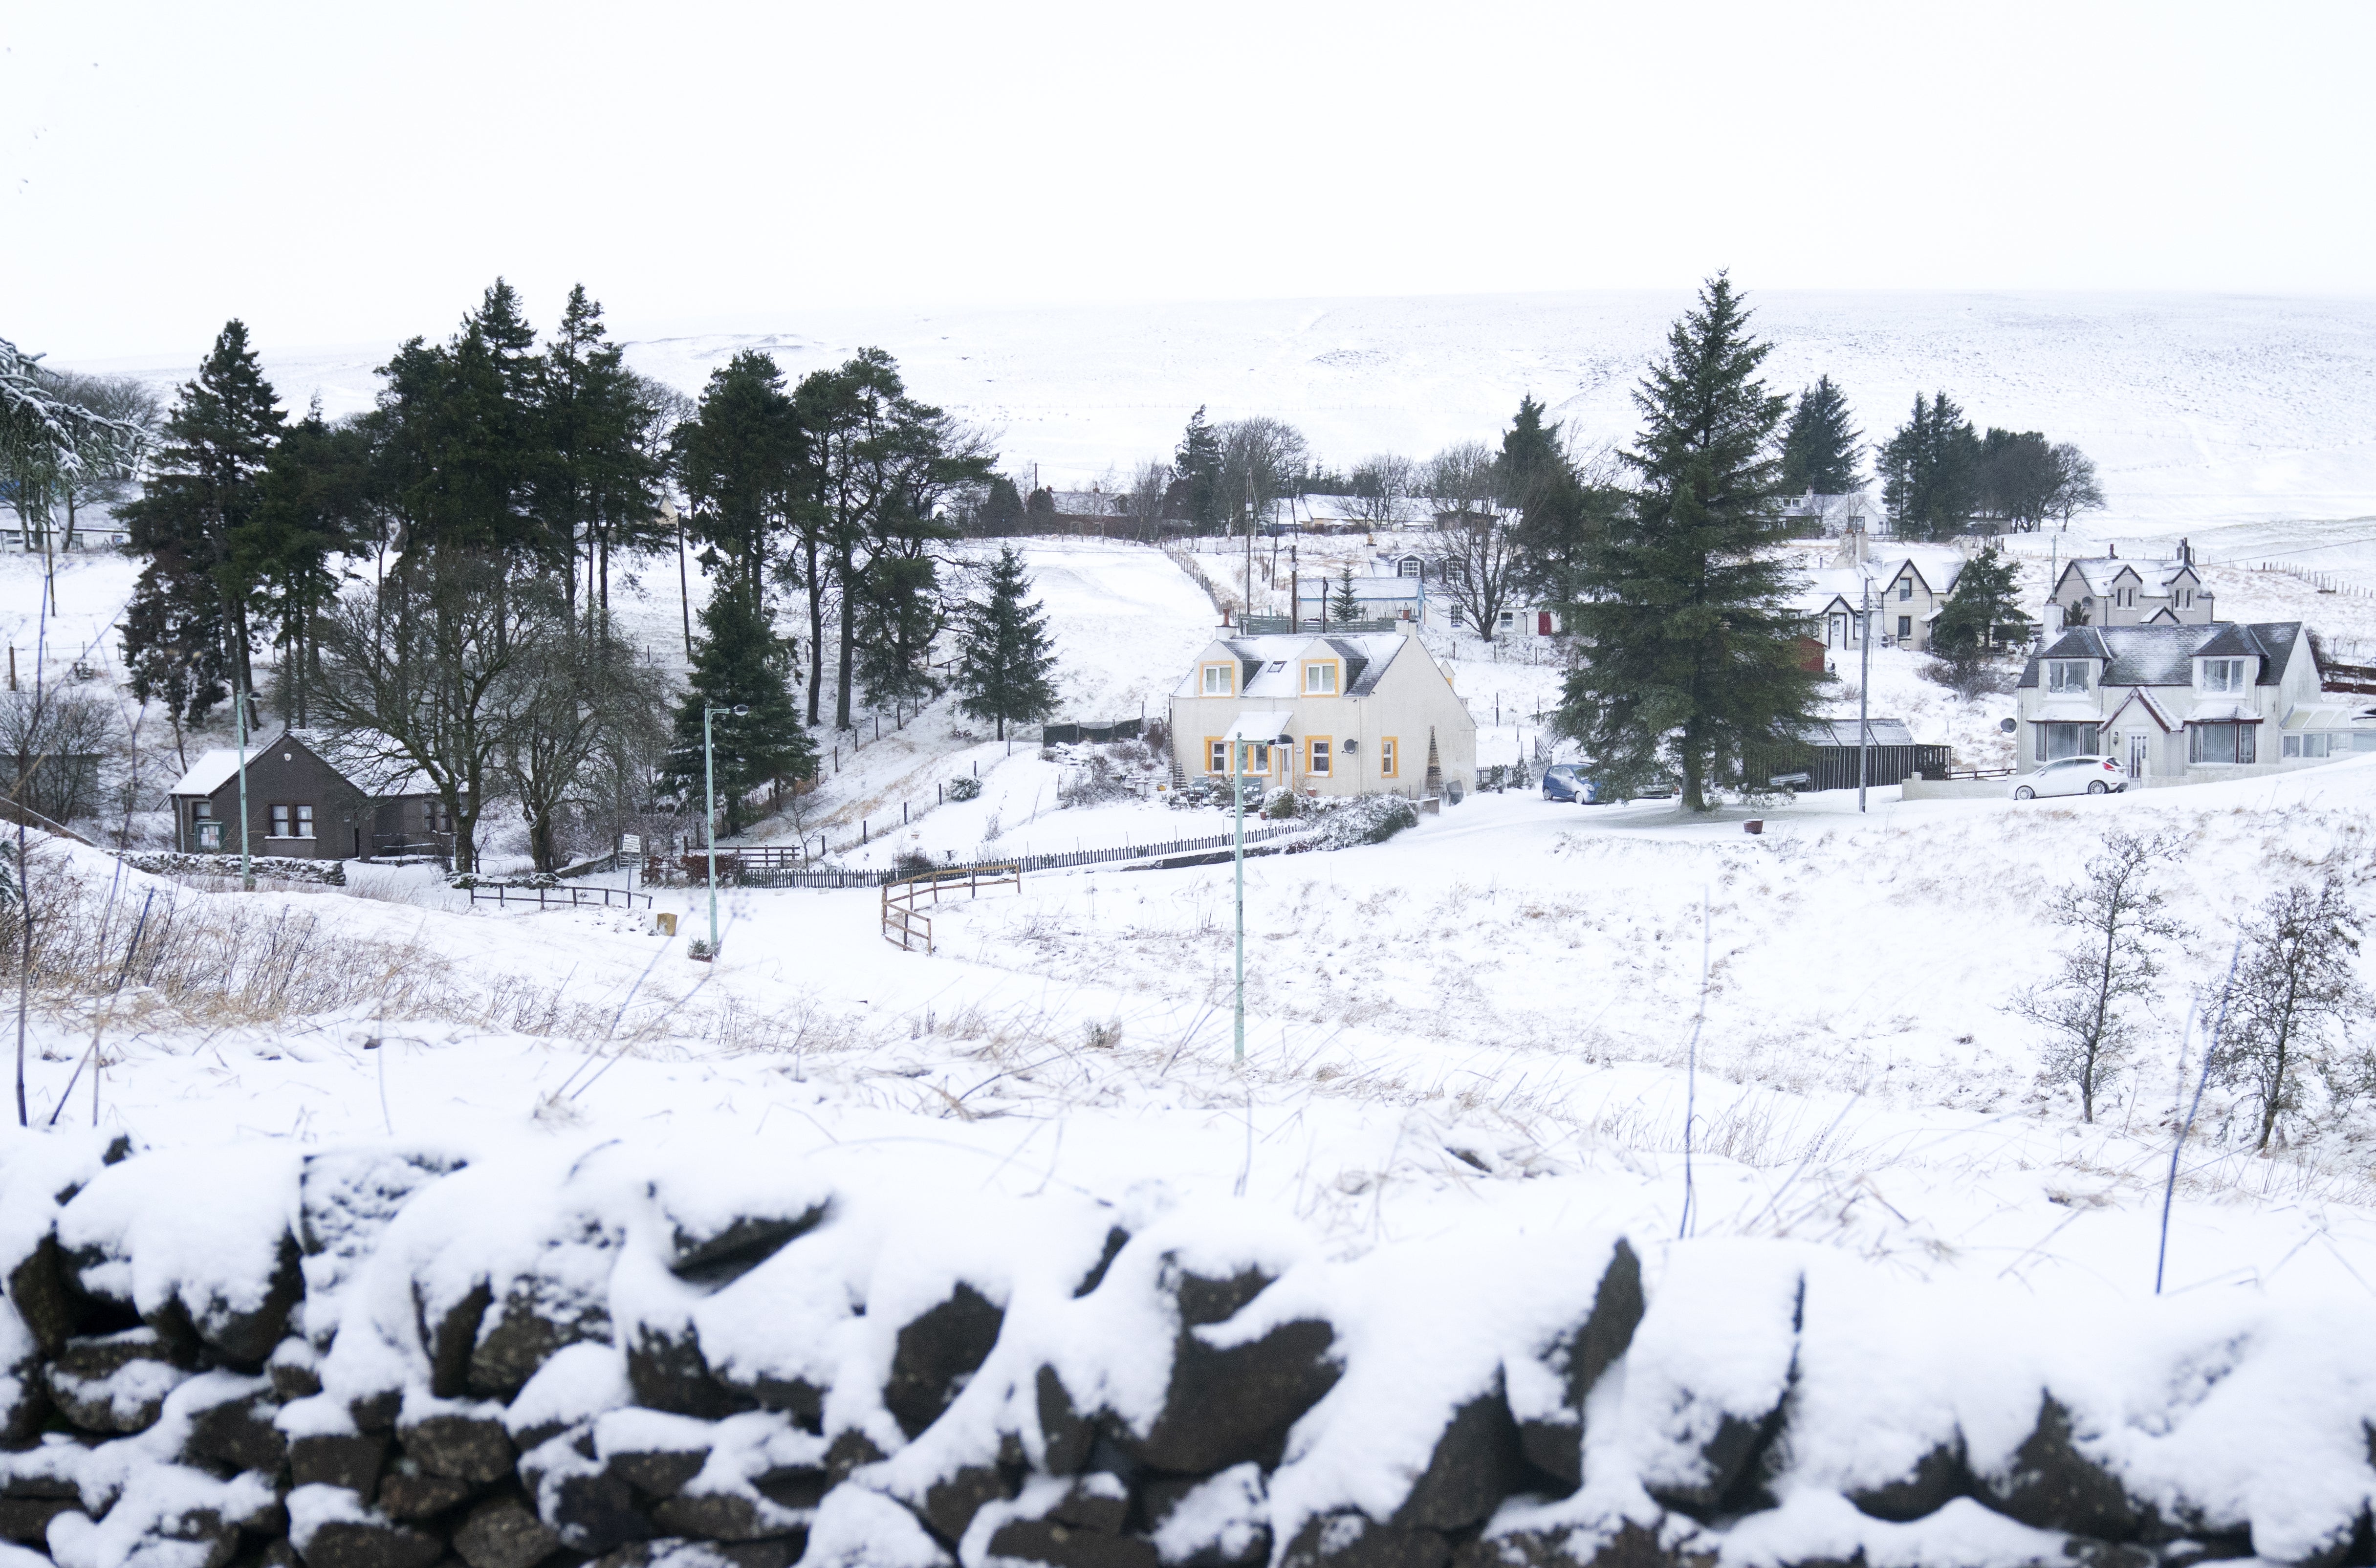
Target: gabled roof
<point x="2099" y="573"/>
<point x="212" y="770"/>
<point x="2153" y="710"/>
<point x="1843" y="732"/>
<point x="364" y="759"/>
<point x="2165" y="656"/>
<point x="1366" y="656"/>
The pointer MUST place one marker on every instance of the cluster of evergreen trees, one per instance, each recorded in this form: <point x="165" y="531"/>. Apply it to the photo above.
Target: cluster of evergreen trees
<point x="1939" y="477"/>
<point x="493" y="490"/>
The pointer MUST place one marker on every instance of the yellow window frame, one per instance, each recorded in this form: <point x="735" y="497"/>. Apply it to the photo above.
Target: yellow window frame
<point x="1389" y="757"/>
<point x="1315" y="765"/>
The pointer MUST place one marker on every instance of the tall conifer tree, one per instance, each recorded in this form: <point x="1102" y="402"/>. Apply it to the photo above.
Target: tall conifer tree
<point x="1007" y="667"/>
<point x="206" y="487"/>
<point x="1821" y="448"/>
<point x="1198" y="462"/>
<point x="740" y="662"/>
<point x="1683" y="610"/>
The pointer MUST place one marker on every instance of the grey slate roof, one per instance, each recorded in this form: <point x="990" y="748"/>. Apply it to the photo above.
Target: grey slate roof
<point x="1843" y="732"/>
<point x="2164" y="656"/>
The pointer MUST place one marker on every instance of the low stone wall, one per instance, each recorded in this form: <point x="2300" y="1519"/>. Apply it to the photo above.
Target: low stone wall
<point x="402" y="1356"/>
<point x="277" y="868"/>
<point x="1956" y="789"/>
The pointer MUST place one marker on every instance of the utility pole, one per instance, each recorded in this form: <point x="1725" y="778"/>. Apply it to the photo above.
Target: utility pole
<point x="1238" y="798"/>
<point x="1864" y="685"/>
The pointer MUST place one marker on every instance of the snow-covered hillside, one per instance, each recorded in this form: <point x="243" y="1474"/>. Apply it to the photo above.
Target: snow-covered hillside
<point x="2198" y="408"/>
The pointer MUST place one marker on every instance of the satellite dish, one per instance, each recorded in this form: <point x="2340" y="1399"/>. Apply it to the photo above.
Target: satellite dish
<point x="2008" y="725"/>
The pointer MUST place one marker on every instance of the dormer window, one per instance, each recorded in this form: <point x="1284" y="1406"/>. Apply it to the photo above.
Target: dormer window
<point x="1320" y="679"/>
<point x="2225" y="675"/>
<point x="1408" y="567"/>
<point x="1219" y="681"/>
<point x="2067" y="674"/>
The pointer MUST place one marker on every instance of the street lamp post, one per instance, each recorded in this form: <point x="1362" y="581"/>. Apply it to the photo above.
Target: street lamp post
<point x="246" y="866"/>
<point x="709" y="811"/>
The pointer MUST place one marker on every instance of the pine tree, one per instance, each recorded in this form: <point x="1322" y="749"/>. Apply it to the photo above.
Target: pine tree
<point x="1198" y="463"/>
<point x="1820" y="444"/>
<point x="1347" y="607"/>
<point x="740" y="459"/>
<point x="740" y="662"/>
<point x="1007" y="667"/>
<point x="1530" y="455"/>
<point x="314" y="504"/>
<point x="1001" y="505"/>
<point x="1984" y="609"/>
<point x="1929" y="470"/>
<point x="206" y="487"/>
<point x="1683" y="607"/>
<point x="596" y="486"/>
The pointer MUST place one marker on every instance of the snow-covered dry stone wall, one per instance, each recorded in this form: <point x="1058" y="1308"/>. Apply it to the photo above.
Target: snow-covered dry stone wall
<point x="398" y="1357"/>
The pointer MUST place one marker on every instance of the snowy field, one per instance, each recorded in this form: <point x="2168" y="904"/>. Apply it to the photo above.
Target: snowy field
<point x="1513" y="980"/>
<point x="2199" y="409"/>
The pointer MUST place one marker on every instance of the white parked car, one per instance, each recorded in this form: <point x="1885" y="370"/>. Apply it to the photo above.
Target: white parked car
<point x="2071" y="775"/>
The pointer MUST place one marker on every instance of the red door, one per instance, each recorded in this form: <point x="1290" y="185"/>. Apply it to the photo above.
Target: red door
<point x="1542" y="623"/>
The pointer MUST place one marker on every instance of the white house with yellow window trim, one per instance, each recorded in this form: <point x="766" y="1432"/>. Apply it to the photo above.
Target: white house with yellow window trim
<point x="1344" y="715"/>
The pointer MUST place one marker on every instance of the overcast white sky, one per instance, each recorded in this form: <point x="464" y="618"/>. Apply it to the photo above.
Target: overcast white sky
<point x="345" y="173"/>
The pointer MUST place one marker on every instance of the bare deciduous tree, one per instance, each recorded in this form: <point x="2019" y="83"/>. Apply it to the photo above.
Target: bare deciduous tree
<point x="2118" y="915"/>
<point x="432" y="673"/>
<point x="589" y="723"/>
<point x="1260" y="458"/>
<point x="54" y="747"/>
<point x="2295" y="979"/>
<point x="1143" y="502"/>
<point x="1381" y="489"/>
<point x="2075" y="488"/>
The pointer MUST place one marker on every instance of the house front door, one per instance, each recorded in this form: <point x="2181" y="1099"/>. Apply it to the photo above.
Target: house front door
<point x="1840" y="631"/>
<point x="1542" y="623"/>
<point x="2137" y="745"/>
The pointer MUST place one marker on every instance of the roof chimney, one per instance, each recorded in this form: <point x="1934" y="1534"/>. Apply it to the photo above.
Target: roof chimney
<point x="2113" y="550"/>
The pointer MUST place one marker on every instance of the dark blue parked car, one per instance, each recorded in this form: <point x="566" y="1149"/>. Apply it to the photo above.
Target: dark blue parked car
<point x="1566" y="781"/>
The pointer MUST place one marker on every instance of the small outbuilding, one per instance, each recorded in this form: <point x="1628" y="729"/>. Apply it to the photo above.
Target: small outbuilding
<point x="1830" y="753"/>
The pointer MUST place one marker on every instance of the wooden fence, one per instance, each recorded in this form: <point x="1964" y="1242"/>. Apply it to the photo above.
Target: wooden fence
<point x="571" y="897"/>
<point x="904" y="925"/>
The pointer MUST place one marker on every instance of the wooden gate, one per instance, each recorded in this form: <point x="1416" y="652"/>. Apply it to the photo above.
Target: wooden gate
<point x="904" y="924"/>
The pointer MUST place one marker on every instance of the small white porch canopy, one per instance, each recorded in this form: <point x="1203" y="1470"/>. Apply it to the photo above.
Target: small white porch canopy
<point x="1263" y="729"/>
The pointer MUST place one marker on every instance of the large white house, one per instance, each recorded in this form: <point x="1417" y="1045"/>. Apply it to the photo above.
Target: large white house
<point x="1370" y="713"/>
<point x="2104" y="590"/>
<point x="2175" y="704"/>
<point x="1911" y="586"/>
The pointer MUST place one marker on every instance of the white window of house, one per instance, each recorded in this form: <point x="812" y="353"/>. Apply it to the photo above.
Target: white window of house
<point x="2066" y="675"/>
<point x="2223" y="675"/>
<point x="1319" y="762"/>
<point x="1320" y="679"/>
<point x="2313" y="746"/>
<point x="1408" y="567"/>
<point x="1386" y="757"/>
<point x="1905" y="626"/>
<point x="1905" y="587"/>
<point x="305" y="822"/>
<point x="1216" y="680"/>
<point x="1220" y="760"/>
<point x="280" y="822"/>
<point x="1509" y="617"/>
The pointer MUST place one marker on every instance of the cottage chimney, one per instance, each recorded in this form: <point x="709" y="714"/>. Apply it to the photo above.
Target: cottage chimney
<point x="2112" y="551"/>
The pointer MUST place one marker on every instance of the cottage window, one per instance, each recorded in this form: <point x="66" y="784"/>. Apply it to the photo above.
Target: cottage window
<point x="305" y="822"/>
<point x="2312" y="745"/>
<point x="1258" y="757"/>
<point x="2056" y="742"/>
<point x="1317" y="761"/>
<point x="1509" y="617"/>
<point x="280" y="822"/>
<point x="1905" y="626"/>
<point x="2066" y="675"/>
<point x="1218" y="683"/>
<point x="1407" y="567"/>
<point x="2218" y="743"/>
<point x="202" y="810"/>
<point x="1905" y="587"/>
<point x="1217" y="756"/>
<point x="2223" y="675"/>
<point x="1320" y="679"/>
<point x="1386" y="750"/>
